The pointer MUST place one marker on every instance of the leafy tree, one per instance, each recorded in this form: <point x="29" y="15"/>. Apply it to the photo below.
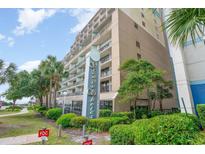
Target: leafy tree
<point x="163" y="91"/>
<point x="6" y="72"/>
<point x="19" y="86"/>
<point x="140" y="76"/>
<point x="185" y="22"/>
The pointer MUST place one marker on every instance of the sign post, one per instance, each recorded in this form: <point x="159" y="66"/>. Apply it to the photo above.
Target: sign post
<point x="43" y="134"/>
<point x="91" y="94"/>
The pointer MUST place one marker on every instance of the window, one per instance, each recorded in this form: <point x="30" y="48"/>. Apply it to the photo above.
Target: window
<point x="139" y="56"/>
<point x="106" y="104"/>
<point x="136" y="25"/>
<point x="143" y="23"/>
<point x="142" y="14"/>
<point x="138" y="44"/>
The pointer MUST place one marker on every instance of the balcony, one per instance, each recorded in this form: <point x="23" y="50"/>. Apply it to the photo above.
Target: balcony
<point x="79" y="63"/>
<point x="105" y="59"/>
<point x="105" y="88"/>
<point x="105" y="46"/>
<point x="106" y="73"/>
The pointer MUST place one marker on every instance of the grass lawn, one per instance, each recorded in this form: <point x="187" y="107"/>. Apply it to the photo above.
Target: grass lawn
<point x="2" y="112"/>
<point x="30" y="123"/>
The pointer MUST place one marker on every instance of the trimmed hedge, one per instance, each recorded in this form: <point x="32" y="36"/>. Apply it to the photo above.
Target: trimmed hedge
<point x="130" y="115"/>
<point x="164" y="129"/>
<point x="65" y="119"/>
<point x="122" y="135"/>
<point x="79" y="121"/>
<point x="201" y="113"/>
<point x="105" y="113"/>
<point x="54" y="113"/>
<point x="104" y="124"/>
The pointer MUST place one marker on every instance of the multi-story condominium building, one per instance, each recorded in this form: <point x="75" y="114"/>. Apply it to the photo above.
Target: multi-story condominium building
<point x="119" y="34"/>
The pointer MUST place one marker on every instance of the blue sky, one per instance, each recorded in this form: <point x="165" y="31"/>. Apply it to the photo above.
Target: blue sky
<point x="29" y="35"/>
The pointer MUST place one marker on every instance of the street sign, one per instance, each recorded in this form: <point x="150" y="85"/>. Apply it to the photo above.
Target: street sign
<point x="88" y="142"/>
<point x="43" y="133"/>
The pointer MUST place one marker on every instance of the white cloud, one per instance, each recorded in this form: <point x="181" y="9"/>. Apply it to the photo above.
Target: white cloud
<point x="10" y="41"/>
<point x="29" y="19"/>
<point x="2" y="37"/>
<point x="30" y="65"/>
<point x="82" y="16"/>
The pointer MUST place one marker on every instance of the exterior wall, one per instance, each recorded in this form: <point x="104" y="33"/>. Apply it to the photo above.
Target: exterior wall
<point x="195" y="61"/>
<point x="150" y="49"/>
<point x="123" y="35"/>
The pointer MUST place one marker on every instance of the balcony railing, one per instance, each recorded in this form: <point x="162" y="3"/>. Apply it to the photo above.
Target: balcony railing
<point x="106" y="73"/>
<point x="77" y="64"/>
<point x="106" y="88"/>
<point x="105" y="59"/>
<point x="105" y="46"/>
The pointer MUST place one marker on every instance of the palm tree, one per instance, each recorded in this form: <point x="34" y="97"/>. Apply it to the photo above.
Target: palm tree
<point x="184" y="23"/>
<point x="54" y="70"/>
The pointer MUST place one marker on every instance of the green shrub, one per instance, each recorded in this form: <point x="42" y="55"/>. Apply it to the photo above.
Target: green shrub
<point x="30" y="108"/>
<point x="201" y="113"/>
<point x="42" y="110"/>
<point x="104" y="124"/>
<point x="35" y="107"/>
<point x="139" y="111"/>
<point x="13" y="108"/>
<point x="65" y="119"/>
<point x="156" y="113"/>
<point x="79" y="121"/>
<point x="54" y="113"/>
<point x="130" y="115"/>
<point x="122" y="135"/>
<point x="105" y="113"/>
<point x="166" y="129"/>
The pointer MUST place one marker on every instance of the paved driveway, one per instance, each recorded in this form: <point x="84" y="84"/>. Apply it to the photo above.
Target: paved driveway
<point x="23" y="139"/>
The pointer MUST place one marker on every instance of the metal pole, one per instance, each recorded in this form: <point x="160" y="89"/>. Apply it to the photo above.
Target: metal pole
<point x="63" y="104"/>
<point x="184" y="105"/>
<point x="84" y="133"/>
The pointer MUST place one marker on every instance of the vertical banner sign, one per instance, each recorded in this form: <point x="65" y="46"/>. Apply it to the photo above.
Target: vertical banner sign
<point x="92" y="84"/>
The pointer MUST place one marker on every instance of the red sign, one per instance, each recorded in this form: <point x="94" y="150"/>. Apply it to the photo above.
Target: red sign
<point x="88" y="142"/>
<point x="43" y="132"/>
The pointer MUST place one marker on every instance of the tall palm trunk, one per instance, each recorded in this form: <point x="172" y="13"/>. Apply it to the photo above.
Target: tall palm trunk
<point x="160" y="105"/>
<point x="41" y="100"/>
<point x="50" y="93"/>
<point x="46" y="100"/>
<point x="55" y="89"/>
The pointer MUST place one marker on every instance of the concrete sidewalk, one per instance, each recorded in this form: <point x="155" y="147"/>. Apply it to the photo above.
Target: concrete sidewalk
<point x="18" y="140"/>
<point x="23" y="111"/>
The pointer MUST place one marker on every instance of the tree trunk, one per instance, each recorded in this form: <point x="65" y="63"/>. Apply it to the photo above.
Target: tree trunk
<point x="55" y="87"/>
<point x="50" y="93"/>
<point x="14" y="104"/>
<point x="160" y="105"/>
<point x="41" y="100"/>
<point x="153" y="107"/>
<point x="46" y="100"/>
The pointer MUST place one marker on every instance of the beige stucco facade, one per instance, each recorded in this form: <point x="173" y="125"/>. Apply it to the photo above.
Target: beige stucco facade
<point x="120" y="34"/>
